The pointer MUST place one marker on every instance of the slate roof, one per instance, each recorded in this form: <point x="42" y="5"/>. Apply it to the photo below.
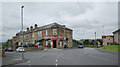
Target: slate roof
<point x="49" y="26"/>
<point x="46" y="27"/>
<point x="116" y="31"/>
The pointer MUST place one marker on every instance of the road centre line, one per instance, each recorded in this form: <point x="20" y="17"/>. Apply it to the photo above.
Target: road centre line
<point x="56" y="60"/>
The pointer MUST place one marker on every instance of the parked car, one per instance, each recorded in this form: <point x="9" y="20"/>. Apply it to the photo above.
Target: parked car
<point x="80" y="46"/>
<point x="19" y="49"/>
<point x="10" y="49"/>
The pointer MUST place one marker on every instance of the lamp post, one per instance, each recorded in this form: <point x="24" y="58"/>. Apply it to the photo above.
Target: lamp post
<point x="22" y="30"/>
<point x="95" y="39"/>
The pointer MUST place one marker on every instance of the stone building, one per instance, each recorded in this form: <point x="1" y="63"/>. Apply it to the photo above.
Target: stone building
<point x="116" y="36"/>
<point x="52" y="35"/>
<point x="107" y="40"/>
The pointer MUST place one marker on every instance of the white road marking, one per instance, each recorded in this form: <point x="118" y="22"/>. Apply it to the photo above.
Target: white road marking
<point x="98" y="57"/>
<point x="56" y="60"/>
<point x="56" y="64"/>
<point x="28" y="61"/>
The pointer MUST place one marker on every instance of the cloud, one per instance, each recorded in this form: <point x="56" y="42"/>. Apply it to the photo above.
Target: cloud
<point x="84" y="18"/>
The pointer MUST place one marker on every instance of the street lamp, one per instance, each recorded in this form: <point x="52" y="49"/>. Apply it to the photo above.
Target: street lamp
<point x="95" y="39"/>
<point x="22" y="30"/>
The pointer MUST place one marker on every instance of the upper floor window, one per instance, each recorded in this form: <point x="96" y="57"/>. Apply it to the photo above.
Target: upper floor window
<point x="28" y="36"/>
<point x="46" y="32"/>
<point x="54" y="31"/>
<point x="32" y="35"/>
<point x="24" y="36"/>
<point x="117" y="33"/>
<point x="40" y="33"/>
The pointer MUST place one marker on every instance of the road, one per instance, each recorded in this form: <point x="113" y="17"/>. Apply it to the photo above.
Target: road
<point x="86" y="56"/>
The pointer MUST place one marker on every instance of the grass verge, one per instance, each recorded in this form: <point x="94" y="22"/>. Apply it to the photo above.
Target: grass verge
<point x="111" y="47"/>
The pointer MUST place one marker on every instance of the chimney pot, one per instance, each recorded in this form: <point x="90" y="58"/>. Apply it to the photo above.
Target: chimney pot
<point x="35" y="26"/>
<point x="27" y="29"/>
<point x="31" y="28"/>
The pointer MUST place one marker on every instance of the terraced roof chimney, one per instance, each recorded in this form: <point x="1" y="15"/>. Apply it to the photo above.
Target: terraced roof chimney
<point x="35" y="26"/>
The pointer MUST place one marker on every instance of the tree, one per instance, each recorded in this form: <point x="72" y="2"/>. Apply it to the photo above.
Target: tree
<point x="5" y="45"/>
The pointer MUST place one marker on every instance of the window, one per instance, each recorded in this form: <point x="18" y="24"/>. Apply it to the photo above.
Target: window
<point x="26" y="43"/>
<point x="24" y="36"/>
<point x="19" y="43"/>
<point x="117" y="33"/>
<point x="32" y="35"/>
<point x="33" y="42"/>
<point x="46" y="32"/>
<point x="40" y="33"/>
<point x="28" y="36"/>
<point x="54" y="31"/>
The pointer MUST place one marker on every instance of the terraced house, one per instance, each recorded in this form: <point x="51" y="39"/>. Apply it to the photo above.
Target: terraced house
<point x="52" y="35"/>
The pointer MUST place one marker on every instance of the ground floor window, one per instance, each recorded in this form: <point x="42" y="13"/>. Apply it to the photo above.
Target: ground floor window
<point x="19" y="43"/>
<point x="61" y="43"/>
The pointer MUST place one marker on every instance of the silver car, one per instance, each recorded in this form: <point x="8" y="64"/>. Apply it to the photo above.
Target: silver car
<point x="19" y="49"/>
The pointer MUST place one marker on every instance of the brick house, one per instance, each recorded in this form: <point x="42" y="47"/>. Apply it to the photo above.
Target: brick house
<point x="53" y="35"/>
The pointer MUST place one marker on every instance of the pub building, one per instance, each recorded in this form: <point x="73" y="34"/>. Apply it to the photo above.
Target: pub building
<point x="52" y="35"/>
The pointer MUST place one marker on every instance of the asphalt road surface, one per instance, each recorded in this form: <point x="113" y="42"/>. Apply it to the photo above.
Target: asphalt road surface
<point x="85" y="56"/>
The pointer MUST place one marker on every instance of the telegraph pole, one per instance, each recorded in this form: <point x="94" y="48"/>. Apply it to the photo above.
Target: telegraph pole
<point x="22" y="30"/>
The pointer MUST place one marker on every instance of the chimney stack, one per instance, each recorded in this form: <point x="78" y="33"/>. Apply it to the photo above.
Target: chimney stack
<point x="27" y="29"/>
<point x="35" y="26"/>
<point x="63" y="26"/>
<point x="31" y="28"/>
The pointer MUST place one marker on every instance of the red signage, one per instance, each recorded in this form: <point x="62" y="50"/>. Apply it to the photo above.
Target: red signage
<point x="46" y="37"/>
<point x="103" y="37"/>
<point x="36" y="46"/>
<point x="61" y="37"/>
<point x="54" y="37"/>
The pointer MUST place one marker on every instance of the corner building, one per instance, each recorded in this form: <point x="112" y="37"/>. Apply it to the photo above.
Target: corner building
<point x="51" y="36"/>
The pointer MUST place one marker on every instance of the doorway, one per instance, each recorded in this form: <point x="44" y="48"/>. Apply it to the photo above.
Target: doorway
<point x="54" y="43"/>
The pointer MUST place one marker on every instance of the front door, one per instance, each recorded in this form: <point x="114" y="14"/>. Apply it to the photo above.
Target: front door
<point x="54" y="43"/>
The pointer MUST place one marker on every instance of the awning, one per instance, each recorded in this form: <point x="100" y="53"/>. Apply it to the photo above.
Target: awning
<point x="47" y="38"/>
<point x="53" y="37"/>
<point x="61" y="37"/>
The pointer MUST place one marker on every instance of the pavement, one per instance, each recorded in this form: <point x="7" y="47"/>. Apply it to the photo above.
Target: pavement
<point x="57" y="57"/>
<point x="12" y="58"/>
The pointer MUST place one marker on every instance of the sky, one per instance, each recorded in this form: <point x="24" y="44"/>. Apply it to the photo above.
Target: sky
<point x="85" y="18"/>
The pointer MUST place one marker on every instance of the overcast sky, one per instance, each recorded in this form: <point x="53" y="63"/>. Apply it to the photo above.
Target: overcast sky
<point x="84" y="18"/>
